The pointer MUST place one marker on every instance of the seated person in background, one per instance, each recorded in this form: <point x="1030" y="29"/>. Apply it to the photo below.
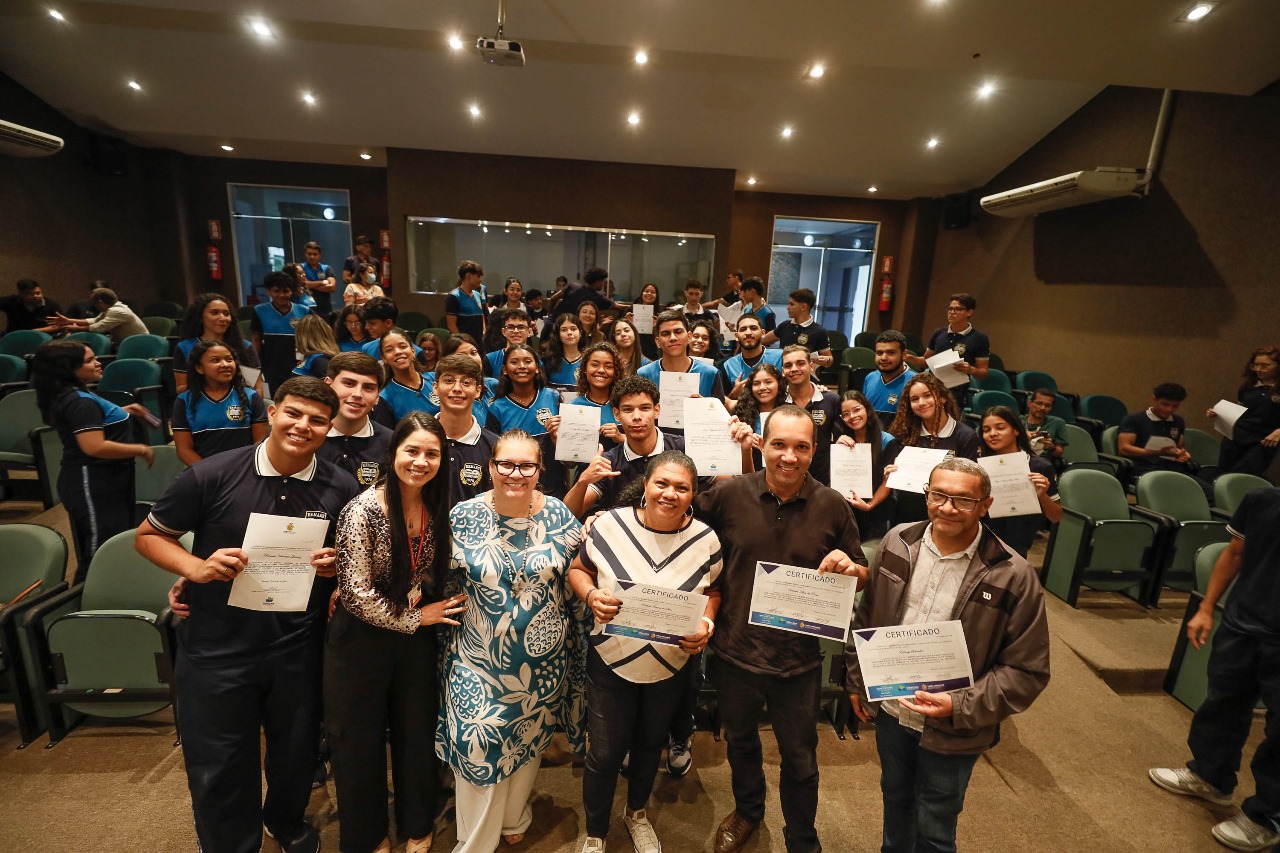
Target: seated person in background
<point x="751" y="352"/>
<point x="822" y="406"/>
<point x="535" y="307"/>
<point x="959" y="334"/>
<point x="884" y="387"/>
<point x="459" y="384"/>
<point x="1153" y="439"/>
<point x="364" y="287"/>
<point x="314" y="345"/>
<point x="752" y="293"/>
<point x="348" y="329"/>
<point x="216" y="412"/>
<point x="355" y="442"/>
<point x="799" y="328"/>
<point x="28" y="309"/>
<point x="1047" y="432"/>
<point x="693" y="307"/>
<point x="114" y="318"/>
<point x="430" y="353"/>
<point x="1252" y="444"/>
<point x="514" y="325"/>
<point x="82" y="309"/>
<point x="272" y="329"/>
<point x="1002" y="432"/>
<point x="380" y="316"/>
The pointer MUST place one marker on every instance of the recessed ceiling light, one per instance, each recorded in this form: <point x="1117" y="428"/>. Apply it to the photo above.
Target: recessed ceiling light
<point x="641" y="57"/>
<point x="228" y="148"/>
<point x="987" y="90"/>
<point x="633" y="119"/>
<point x="261" y="29"/>
<point x="506" y="230"/>
<point x="328" y="213"/>
<point x="808" y="239"/>
<point x="873" y="189"/>
<point x="484" y="228"/>
<point x="455" y="42"/>
<point x="56" y="15"/>
<point x="135" y="85"/>
<point x="1198" y="11"/>
<point x="527" y="231"/>
<point x="474" y="109"/>
<point x="309" y="99"/>
<point x="751" y="182"/>
<point x="817" y="70"/>
<point x="787" y="131"/>
<point x="933" y="142"/>
<point x="366" y="156"/>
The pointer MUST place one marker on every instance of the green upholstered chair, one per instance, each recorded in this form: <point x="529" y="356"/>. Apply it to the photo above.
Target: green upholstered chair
<point x="1230" y="489"/>
<point x="150" y="481"/>
<point x="19" y="417"/>
<point x="23" y="342"/>
<point x="1204" y="449"/>
<point x="99" y="343"/>
<point x="1177" y="505"/>
<point x="1100" y="407"/>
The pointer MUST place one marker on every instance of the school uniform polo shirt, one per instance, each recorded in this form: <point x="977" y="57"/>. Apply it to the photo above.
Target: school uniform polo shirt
<point x="402" y="399"/>
<point x="807" y="334"/>
<point x="754" y="525"/>
<point x="323" y="302"/>
<point x="606" y="410"/>
<point x="493" y="362"/>
<point x="217" y="426"/>
<point x="970" y="343"/>
<point x="1145" y="425"/>
<point x="276" y="330"/>
<point x="468" y="310"/>
<point x="884" y="396"/>
<point x="469" y="463"/>
<point x="81" y="411"/>
<point x="315" y="365"/>
<point x="631" y="465"/>
<point x="739" y="365"/>
<point x="824" y="408"/>
<point x="768" y="322"/>
<point x="505" y="413"/>
<point x="214" y="499"/>
<point x="708" y="377"/>
<point x="182" y="354"/>
<point x="1254" y="605"/>
<point x="362" y="454"/>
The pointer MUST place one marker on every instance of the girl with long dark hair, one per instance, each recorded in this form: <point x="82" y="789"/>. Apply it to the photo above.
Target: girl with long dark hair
<point x="380" y="648"/>
<point x="601" y="370"/>
<point x="626" y="339"/>
<point x="209" y="318"/>
<point x="928" y="416"/>
<point x="216" y="412"/>
<point x="1003" y="432"/>
<point x="349" y="331"/>
<point x="859" y="425"/>
<point x="1253" y="442"/>
<point x="564" y="351"/>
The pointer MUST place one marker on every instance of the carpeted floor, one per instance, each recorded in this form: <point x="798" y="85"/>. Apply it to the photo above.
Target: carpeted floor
<point x="1069" y="775"/>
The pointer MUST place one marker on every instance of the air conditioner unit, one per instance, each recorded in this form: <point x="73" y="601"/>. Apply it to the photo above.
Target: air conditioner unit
<point x="1066" y="191"/>
<point x="20" y="141"/>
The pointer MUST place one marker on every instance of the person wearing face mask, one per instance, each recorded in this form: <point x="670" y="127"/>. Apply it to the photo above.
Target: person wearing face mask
<point x="363" y="286"/>
<point x="1253" y="442"/>
<point x="1002" y="432"/>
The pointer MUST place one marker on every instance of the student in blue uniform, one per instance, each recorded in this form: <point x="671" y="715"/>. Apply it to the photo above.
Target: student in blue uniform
<point x="319" y="280"/>
<point x="216" y="412"/>
<point x="96" y="480"/>
<point x="314" y="345"/>
<point x="671" y="329"/>
<point x="884" y="387"/>
<point x="356" y="443"/>
<point x="751" y="352"/>
<point x="464" y="306"/>
<point x="514" y="327"/>
<point x="1003" y="433"/>
<point x="523" y="402"/>
<point x="348" y="329"/>
<point x="209" y="318"/>
<point x="409" y="390"/>
<point x="272" y="326"/>
<point x="601" y="371"/>
<point x="564" y="351"/>
<point x="859" y="425"/>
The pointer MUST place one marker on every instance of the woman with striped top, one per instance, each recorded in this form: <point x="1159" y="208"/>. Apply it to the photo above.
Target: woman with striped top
<point x="635" y="686"/>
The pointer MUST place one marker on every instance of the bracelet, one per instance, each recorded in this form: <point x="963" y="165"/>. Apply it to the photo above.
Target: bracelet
<point x="711" y="626"/>
<point x="588" y="598"/>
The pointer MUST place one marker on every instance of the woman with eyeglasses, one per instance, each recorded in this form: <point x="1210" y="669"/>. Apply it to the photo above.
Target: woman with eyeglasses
<point x="928" y="417"/>
<point x="1004" y="433"/>
<point x="1256" y="435"/>
<point x="348" y="329"/>
<point x="635" y="686"/>
<point x="523" y="402"/>
<point x="514" y="671"/>
<point x="859" y="425"/>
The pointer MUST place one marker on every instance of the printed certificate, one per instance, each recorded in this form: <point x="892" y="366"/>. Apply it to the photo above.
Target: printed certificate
<point x="943" y="366"/>
<point x="851" y="470"/>
<point x="655" y="613"/>
<point x="800" y="600"/>
<point x="579" y="437"/>
<point x="673" y="390"/>
<point x="643" y="317"/>
<point x="915" y="464"/>
<point x="279" y="575"/>
<point x="899" y="660"/>
<point x="1225" y="415"/>
<point x="707" y="439"/>
<point x="1011" y="489"/>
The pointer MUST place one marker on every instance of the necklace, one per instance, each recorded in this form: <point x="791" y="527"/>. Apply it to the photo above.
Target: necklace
<point x="517" y="576"/>
<point x="416" y="553"/>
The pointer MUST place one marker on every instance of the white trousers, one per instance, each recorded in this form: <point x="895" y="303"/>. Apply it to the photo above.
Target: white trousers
<point x="486" y="814"/>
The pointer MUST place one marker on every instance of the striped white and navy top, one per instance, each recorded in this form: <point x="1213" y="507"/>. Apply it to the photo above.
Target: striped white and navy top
<point x="621" y="548"/>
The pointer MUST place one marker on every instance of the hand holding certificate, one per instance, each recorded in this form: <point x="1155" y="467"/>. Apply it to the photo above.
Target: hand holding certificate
<point x="643" y="316"/>
<point x="673" y="390"/>
<point x="915" y="464"/>
<point x="579" y="436"/>
<point x="278" y="574"/>
<point x="851" y="470"/>
<point x="897" y="661"/>
<point x="707" y="439"/>
<point x="943" y="366"/>
<point x="655" y="613"/>
<point x="1225" y="415"/>
<point x="803" y="601"/>
<point x="1011" y="490"/>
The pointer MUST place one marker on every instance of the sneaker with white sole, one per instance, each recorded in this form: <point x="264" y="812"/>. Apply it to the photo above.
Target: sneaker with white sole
<point x="593" y="845"/>
<point x="642" y="834"/>
<point x="1182" y="780"/>
<point x="679" y="758"/>
<point x="1241" y="833"/>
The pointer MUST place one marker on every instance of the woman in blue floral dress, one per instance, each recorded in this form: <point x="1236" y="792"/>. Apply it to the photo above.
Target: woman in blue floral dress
<point x="515" y="669"/>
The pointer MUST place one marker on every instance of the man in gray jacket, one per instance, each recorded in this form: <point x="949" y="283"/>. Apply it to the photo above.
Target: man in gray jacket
<point x="949" y="568"/>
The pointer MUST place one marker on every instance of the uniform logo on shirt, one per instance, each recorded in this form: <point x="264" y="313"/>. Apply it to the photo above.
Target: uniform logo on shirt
<point x="367" y="474"/>
<point x="819" y="417"/>
<point x="960" y="348"/>
<point x="316" y="513"/>
<point x="434" y="397"/>
<point x="289" y="528"/>
<point x="1173" y="433"/>
<point x="802" y="339"/>
<point x="471" y="473"/>
<point x="893" y="399"/>
<point x="544" y="415"/>
<point x="235" y="413"/>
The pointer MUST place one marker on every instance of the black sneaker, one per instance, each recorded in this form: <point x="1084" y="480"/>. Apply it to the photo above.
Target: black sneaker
<point x="307" y="842"/>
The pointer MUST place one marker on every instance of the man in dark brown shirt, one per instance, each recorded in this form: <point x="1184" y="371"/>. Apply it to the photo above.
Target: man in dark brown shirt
<point x="779" y="515"/>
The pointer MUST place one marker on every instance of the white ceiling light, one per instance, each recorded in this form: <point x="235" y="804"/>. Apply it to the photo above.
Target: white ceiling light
<point x="817" y="70"/>
<point x="787" y="131"/>
<point x="641" y="57"/>
<point x="474" y="109"/>
<point x="873" y="189"/>
<point x="228" y="148"/>
<point x="135" y="85"/>
<point x="328" y="213"/>
<point x="932" y="143"/>
<point x="808" y="239"/>
<point x="484" y="228"/>
<point x="527" y="231"/>
<point x="633" y="119"/>
<point x="751" y="182"/>
<point x="366" y="156"/>
<point x="986" y="90"/>
<point x="56" y="15"/>
<point x="261" y="29"/>
<point x="1198" y="11"/>
<point x="548" y="233"/>
<point x="455" y="42"/>
<point x="309" y="99"/>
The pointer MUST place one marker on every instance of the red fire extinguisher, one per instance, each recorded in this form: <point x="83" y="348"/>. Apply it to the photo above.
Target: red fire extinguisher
<point x="214" y="257"/>
<point x="386" y="270"/>
<point x="886" y="283"/>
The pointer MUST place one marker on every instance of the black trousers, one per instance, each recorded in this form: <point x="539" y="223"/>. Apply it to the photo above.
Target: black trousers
<point x="377" y="679"/>
<point x="99" y="502"/>
<point x="1242" y="669"/>
<point x="1245" y="458"/>
<point x="223" y="707"/>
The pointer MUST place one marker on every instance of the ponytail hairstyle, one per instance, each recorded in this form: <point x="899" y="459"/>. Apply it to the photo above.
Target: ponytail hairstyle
<point x="195" y="379"/>
<point x="53" y="373"/>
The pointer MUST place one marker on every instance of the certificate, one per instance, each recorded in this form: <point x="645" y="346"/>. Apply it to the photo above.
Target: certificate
<point x="673" y="390"/>
<point x="1011" y="489"/>
<point x="1225" y="415"/>
<point x="1159" y="442"/>
<point x="250" y="375"/>
<point x="899" y="660"/>
<point x="279" y="575"/>
<point x="709" y="362"/>
<point x="851" y="470"/>
<point x="915" y="464"/>
<point x="579" y="437"/>
<point x="707" y="439"/>
<point x="943" y="366"/>
<point x="643" y="316"/>
<point x="729" y="316"/>
<point x="656" y="613"/>
<point x="803" y="601"/>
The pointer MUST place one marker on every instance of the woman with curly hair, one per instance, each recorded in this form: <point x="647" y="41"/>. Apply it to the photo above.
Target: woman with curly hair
<point x="1252" y="444"/>
<point x="929" y="417"/>
<point x="209" y="318"/>
<point x="601" y="370"/>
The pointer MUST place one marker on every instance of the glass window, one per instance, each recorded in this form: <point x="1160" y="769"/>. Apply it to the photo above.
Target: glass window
<point x="831" y="257"/>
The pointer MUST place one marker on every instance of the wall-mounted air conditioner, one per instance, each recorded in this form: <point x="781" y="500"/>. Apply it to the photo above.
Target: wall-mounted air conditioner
<point x="1066" y="191"/>
<point x="19" y="141"/>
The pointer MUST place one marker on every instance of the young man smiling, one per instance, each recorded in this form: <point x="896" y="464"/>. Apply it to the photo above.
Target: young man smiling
<point x="671" y="331"/>
<point x="822" y="406"/>
<point x="271" y="326"/>
<point x="751" y="351"/>
<point x="800" y="328"/>
<point x="459" y="384"/>
<point x="883" y="388"/>
<point x="355" y="442"/>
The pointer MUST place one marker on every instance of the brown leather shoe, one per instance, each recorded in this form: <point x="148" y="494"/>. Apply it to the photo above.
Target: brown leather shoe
<point x="733" y="832"/>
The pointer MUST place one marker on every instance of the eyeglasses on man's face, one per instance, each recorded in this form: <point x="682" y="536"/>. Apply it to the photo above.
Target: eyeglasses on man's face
<point x="507" y="468"/>
<point x="963" y="504"/>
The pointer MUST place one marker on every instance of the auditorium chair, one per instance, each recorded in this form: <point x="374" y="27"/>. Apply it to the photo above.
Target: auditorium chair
<point x="1188" y="677"/>
<point x="995" y="380"/>
<point x="414" y="321"/>
<point x="1204" y="450"/>
<point x="162" y="326"/>
<point x="832" y="696"/>
<point x="1100" y="543"/>
<point x="13" y="374"/>
<point x="866" y="339"/>
<point x="1230" y="489"/>
<point x="48" y="449"/>
<point x="1110" y="411"/>
<point x="852" y="359"/>
<point x="138" y="380"/>
<point x="19" y="417"/>
<point x="1176" y="504"/>
<point x="104" y="646"/>
<point x="33" y="570"/>
<point x="1080" y="453"/>
<point x="171" y="310"/>
<point x="441" y="334"/>
<point x="150" y="481"/>
<point x="99" y="343"/>
<point x="22" y="343"/>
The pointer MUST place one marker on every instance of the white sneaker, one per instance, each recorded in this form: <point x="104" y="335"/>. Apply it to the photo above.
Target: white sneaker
<point x="1241" y="833"/>
<point x="593" y="845"/>
<point x="642" y="834"/>
<point x="1181" y="780"/>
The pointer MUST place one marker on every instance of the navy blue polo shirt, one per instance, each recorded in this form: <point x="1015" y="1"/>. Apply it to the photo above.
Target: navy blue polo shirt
<point x="1254" y="604"/>
<point x="81" y="411"/>
<point x="1143" y="426"/>
<point x="214" y="499"/>
<point x="316" y="365"/>
<point x="362" y="455"/>
<point x="811" y="336"/>
<point x="182" y="353"/>
<point x="824" y="408"/>
<point x="469" y="463"/>
<point x="217" y="426"/>
<point x="970" y="343"/>
<point x="276" y="331"/>
<point x="1261" y="416"/>
<point x="468" y="311"/>
<point x="632" y="466"/>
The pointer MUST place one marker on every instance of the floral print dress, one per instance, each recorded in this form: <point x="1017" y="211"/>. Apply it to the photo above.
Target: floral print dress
<point x="515" y="669"/>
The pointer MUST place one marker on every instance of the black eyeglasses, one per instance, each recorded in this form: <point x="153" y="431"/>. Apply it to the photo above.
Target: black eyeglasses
<point x="515" y="328"/>
<point x="508" y="468"/>
<point x="939" y="498"/>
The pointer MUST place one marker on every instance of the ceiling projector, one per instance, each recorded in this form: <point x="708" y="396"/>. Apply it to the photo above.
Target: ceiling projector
<point x="498" y="51"/>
